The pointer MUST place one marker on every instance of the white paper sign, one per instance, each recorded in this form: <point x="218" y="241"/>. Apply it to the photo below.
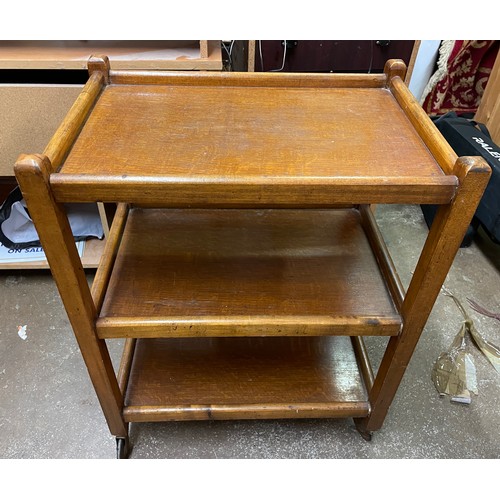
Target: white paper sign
<point x="32" y="254"/>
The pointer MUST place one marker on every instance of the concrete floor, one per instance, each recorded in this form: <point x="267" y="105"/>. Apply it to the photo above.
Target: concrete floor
<point x="48" y="408"/>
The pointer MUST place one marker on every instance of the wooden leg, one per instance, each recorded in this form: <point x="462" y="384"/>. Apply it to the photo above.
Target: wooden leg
<point x="440" y="248"/>
<point x="51" y="222"/>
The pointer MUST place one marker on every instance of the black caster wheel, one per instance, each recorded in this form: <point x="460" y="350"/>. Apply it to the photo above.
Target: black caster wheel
<point x="366" y="435"/>
<point x="122" y="447"/>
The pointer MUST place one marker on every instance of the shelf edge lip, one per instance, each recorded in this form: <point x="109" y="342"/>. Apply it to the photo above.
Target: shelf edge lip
<point x="439" y="147"/>
<point x="237" y="326"/>
<point x="250" y="191"/>
<point x="341" y="409"/>
<point x="320" y="81"/>
<point x="441" y="179"/>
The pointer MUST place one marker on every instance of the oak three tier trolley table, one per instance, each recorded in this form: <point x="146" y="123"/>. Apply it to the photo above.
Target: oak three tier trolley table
<point x="244" y="265"/>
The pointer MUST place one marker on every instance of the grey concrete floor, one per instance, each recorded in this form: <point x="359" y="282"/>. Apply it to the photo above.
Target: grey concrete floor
<point x="48" y="408"/>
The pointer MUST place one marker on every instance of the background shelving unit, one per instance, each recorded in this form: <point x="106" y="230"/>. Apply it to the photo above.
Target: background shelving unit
<point x="123" y="54"/>
<point x="43" y="78"/>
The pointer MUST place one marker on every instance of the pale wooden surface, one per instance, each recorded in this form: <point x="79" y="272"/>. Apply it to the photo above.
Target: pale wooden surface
<point x="30" y="114"/>
<point x="132" y="54"/>
<point x="251" y="55"/>
<point x="203" y="49"/>
<point x="489" y="108"/>
<point x="411" y="62"/>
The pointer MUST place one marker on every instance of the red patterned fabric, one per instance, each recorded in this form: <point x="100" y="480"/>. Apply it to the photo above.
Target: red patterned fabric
<point x="466" y="73"/>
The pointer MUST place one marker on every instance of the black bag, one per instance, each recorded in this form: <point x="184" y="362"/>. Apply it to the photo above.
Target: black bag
<point x="17" y="230"/>
<point x="469" y="138"/>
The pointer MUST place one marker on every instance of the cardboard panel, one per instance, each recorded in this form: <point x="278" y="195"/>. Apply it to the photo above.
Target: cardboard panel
<point x="29" y="116"/>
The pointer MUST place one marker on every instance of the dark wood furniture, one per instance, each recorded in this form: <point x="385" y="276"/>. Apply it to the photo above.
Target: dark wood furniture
<point x="244" y="265"/>
<point x="337" y="56"/>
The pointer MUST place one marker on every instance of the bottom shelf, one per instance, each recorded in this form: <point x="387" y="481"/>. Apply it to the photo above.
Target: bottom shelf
<point x="244" y="378"/>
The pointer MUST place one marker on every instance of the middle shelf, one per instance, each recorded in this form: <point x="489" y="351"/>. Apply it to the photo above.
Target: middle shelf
<point x="281" y="272"/>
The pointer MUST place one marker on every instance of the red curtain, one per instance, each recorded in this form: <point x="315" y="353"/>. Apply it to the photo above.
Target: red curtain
<point x="462" y="77"/>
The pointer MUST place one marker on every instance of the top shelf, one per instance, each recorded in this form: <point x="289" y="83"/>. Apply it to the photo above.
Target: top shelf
<point x="233" y="140"/>
<point x="123" y="54"/>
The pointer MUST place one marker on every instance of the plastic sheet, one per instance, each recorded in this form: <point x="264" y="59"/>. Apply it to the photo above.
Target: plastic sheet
<point x="454" y="372"/>
<point x="491" y="351"/>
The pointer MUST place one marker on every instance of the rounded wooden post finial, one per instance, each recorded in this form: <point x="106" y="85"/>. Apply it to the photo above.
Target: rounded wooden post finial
<point x="100" y="64"/>
<point x="33" y="163"/>
<point x="466" y="164"/>
<point x="393" y="68"/>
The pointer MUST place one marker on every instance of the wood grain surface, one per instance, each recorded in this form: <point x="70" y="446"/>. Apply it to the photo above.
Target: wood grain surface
<point x="177" y="379"/>
<point x="246" y="272"/>
<point x="251" y="132"/>
<point x="293" y="280"/>
<point x="201" y="145"/>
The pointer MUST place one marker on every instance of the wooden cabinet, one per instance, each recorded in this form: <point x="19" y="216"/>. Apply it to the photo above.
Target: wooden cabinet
<point x="339" y="56"/>
<point x="244" y="265"/>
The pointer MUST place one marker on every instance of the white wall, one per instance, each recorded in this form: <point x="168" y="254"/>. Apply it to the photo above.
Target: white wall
<point x="424" y="66"/>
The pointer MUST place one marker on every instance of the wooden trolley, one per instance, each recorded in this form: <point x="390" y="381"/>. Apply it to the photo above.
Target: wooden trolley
<point x="244" y="265"/>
